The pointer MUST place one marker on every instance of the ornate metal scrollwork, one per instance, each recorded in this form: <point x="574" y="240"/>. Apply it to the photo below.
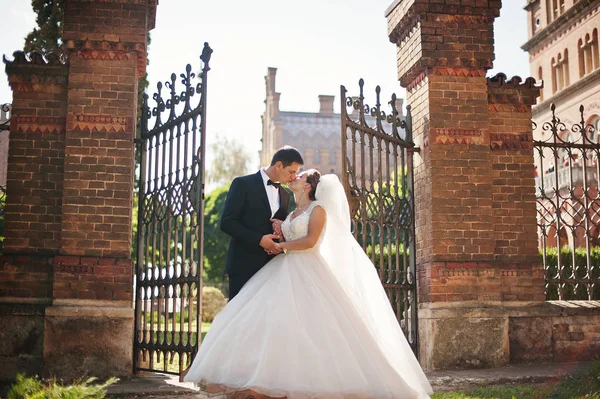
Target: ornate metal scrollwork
<point x="5" y="115"/>
<point x="568" y="206"/>
<point x="377" y="151"/>
<point x="170" y="215"/>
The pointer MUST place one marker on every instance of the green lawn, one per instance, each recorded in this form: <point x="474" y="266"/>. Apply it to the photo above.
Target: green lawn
<point x="585" y="385"/>
<point x="205" y="327"/>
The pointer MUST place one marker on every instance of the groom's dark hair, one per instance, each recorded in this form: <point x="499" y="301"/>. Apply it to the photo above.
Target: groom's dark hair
<point x="287" y="155"/>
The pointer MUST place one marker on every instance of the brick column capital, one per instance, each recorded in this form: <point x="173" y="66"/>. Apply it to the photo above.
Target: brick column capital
<point x="36" y="72"/>
<point x="430" y="32"/>
<point x="109" y="30"/>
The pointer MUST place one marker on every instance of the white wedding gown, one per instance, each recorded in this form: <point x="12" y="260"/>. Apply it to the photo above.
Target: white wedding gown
<point x="294" y="331"/>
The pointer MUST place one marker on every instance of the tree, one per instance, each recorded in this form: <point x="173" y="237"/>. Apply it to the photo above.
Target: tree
<point x="230" y="160"/>
<point x="215" y="240"/>
<point x="47" y="36"/>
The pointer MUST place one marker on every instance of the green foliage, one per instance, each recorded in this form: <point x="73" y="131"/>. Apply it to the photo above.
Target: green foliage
<point x="46" y="37"/>
<point x="213" y="301"/>
<point x="580" y="271"/>
<point x="388" y="251"/>
<point x="230" y="160"/>
<point x="215" y="240"/>
<point x="33" y="388"/>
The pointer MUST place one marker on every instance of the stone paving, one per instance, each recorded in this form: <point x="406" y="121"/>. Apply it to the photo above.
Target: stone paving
<point x="155" y="386"/>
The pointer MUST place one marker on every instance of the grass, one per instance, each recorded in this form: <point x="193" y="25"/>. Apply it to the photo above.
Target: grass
<point x="583" y="385"/>
<point x="34" y="388"/>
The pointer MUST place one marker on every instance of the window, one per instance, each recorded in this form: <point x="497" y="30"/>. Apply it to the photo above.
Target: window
<point x="560" y="71"/>
<point x="565" y="68"/>
<point x="587" y="49"/>
<point x="554" y="9"/>
<point x="540" y="79"/>
<point x="317" y="157"/>
<point x="595" y="52"/>
<point x="332" y="157"/>
<point x="581" y="54"/>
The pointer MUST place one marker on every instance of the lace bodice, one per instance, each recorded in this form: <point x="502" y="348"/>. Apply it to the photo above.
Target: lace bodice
<point x="298" y="227"/>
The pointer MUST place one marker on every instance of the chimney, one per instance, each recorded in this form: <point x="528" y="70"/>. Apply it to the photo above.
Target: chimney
<point x="270" y="80"/>
<point x="400" y="107"/>
<point x="326" y="104"/>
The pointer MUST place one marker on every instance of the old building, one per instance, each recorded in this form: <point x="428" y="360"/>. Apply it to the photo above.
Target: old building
<point x="317" y="135"/>
<point x="563" y="53"/>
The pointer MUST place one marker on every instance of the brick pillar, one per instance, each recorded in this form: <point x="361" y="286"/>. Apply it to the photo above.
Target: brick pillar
<point x="474" y="187"/>
<point x="89" y="327"/>
<point x="33" y="207"/>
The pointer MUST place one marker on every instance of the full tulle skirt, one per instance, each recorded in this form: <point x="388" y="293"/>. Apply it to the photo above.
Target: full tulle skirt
<point x="293" y="331"/>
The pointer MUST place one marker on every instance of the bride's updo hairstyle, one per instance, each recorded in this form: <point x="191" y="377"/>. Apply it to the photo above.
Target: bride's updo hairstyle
<point x="312" y="178"/>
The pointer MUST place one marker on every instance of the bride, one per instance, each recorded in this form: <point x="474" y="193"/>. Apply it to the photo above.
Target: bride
<point x="315" y="321"/>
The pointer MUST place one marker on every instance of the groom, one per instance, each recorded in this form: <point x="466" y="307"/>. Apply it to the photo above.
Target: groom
<point x="255" y="207"/>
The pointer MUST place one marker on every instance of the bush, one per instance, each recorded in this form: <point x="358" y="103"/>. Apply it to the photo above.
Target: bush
<point x="213" y="301"/>
<point x="571" y="292"/>
<point x="396" y="274"/>
<point x="33" y="388"/>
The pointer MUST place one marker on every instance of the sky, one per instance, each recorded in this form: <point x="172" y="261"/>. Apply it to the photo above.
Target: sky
<point x="316" y="46"/>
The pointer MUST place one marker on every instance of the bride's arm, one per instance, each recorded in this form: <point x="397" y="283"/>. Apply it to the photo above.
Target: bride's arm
<point x="315" y="227"/>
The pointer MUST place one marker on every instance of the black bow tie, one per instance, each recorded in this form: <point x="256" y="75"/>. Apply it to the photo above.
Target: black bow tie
<point x="272" y="183"/>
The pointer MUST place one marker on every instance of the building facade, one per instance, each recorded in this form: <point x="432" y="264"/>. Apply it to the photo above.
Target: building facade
<point x="563" y="53"/>
<point x="317" y="135"/>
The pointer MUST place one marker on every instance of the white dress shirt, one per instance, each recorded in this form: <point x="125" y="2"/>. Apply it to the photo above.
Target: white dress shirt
<point x="272" y="193"/>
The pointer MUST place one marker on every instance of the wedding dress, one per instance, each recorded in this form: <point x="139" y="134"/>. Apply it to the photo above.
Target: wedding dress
<point x="312" y="324"/>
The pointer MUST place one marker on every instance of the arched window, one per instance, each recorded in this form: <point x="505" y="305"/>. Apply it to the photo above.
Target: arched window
<point x="559" y="72"/>
<point x="589" y="63"/>
<point x="595" y="54"/>
<point x="540" y="79"/>
<point x="565" y="68"/>
<point x="581" y="56"/>
<point x="554" y="80"/>
<point x="332" y="157"/>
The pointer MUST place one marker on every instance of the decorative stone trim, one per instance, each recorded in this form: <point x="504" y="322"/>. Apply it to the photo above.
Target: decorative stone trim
<point x="500" y="80"/>
<point x="457" y="136"/>
<point x="508" y="108"/>
<point x="36" y="58"/>
<point x="92" y="265"/>
<point x="101" y="123"/>
<point x="418" y="73"/>
<point x="38" y="124"/>
<point x="499" y="141"/>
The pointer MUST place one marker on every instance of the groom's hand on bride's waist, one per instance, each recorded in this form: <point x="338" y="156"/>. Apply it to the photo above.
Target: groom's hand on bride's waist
<point x="269" y="245"/>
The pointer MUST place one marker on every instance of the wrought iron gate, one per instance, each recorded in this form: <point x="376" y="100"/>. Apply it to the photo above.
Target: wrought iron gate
<point x="377" y="162"/>
<point x="170" y="224"/>
<point x="567" y="168"/>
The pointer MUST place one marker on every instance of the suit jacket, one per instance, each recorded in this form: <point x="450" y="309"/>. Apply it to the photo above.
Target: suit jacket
<point x="246" y="219"/>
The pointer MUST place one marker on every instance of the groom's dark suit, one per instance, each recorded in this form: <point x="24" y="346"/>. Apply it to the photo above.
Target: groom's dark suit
<point x="246" y="219"/>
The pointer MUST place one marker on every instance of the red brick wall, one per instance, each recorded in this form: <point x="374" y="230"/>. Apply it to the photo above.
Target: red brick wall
<point x="475" y="204"/>
<point x="35" y="160"/>
<point x="106" y="42"/>
<point x="34" y="176"/>
<point x="71" y="157"/>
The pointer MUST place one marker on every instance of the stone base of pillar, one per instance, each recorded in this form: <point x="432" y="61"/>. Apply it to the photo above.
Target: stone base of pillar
<point x="21" y="336"/>
<point x="461" y="335"/>
<point x="88" y="338"/>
